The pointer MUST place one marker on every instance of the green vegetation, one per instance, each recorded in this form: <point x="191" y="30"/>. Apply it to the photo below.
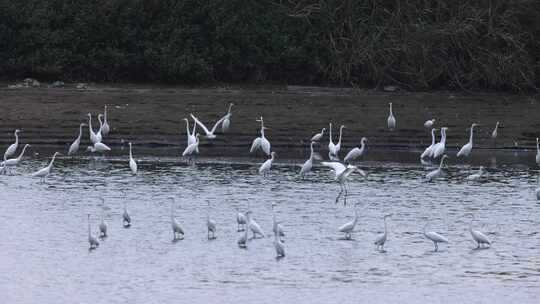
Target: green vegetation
<point x="415" y="44"/>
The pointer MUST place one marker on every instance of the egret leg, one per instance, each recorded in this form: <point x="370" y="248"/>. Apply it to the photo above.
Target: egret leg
<point x="436" y="246"/>
<point x="340" y="192"/>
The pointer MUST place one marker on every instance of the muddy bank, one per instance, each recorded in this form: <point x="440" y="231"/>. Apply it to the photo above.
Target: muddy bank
<point x="151" y="117"/>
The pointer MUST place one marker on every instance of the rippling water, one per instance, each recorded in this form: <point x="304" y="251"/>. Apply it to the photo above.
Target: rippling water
<point x="44" y="254"/>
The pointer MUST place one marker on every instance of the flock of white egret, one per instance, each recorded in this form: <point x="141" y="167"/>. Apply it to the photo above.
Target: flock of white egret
<point x="245" y="222"/>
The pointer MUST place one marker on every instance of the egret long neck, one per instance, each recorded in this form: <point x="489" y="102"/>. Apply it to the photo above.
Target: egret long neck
<point x="130" y="155"/>
<point x="471" y="135"/>
<point x="330" y="130"/>
<point x="52" y="161"/>
<point x="187" y="128"/>
<point x="442" y="162"/>
<point x="391" y="113"/>
<point x="16" y="138"/>
<point x="90" y="130"/>
<point x="340" y="132"/>
<point x="22" y="152"/>
<point x="105" y="114"/>
<point x="432" y="136"/>
<point x="311" y="155"/>
<point x="80" y="133"/>
<point x="443" y="135"/>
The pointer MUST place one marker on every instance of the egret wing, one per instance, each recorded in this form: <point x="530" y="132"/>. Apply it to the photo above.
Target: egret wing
<point x="200" y="124"/>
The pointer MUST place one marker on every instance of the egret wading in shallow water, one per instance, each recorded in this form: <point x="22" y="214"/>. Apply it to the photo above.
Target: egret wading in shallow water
<point x="440" y="147"/>
<point x="267" y="165"/>
<point x="348" y="227"/>
<point x="480" y="238"/>
<point x="102" y="225"/>
<point x="356" y="152"/>
<point x="12" y="162"/>
<point x="192" y="150"/>
<point x="478" y="175"/>
<point x="261" y="142"/>
<point x="494" y="133"/>
<point x="98" y="147"/>
<point x="210" y="224"/>
<point x="191" y="138"/>
<point x="429" y="123"/>
<point x="42" y="173"/>
<point x="132" y="163"/>
<point x="437" y="172"/>
<point x="381" y="239"/>
<point x="94" y="137"/>
<point x="317" y="137"/>
<point x="178" y="232"/>
<point x="308" y="164"/>
<point x="209" y="133"/>
<point x="537" y="152"/>
<point x="434" y="237"/>
<point x="13" y="147"/>
<point x="391" y="119"/>
<point x="227" y="119"/>
<point x="126" y="218"/>
<point x="105" y="129"/>
<point x="276" y="226"/>
<point x="466" y="149"/>
<point x="279" y="246"/>
<point x="254" y="226"/>
<point x="341" y="173"/>
<point x="74" y="147"/>
<point x="333" y="149"/>
<point x="428" y="152"/>
<point x="92" y="240"/>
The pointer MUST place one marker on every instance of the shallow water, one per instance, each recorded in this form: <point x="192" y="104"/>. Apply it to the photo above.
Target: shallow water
<point x="44" y="254"/>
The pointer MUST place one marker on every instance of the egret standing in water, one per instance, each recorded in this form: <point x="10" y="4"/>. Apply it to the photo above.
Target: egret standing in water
<point x="381" y="239"/>
<point x="13" y="147"/>
<point x="132" y="163"/>
<point x="209" y="133"/>
<point x="178" y="232"/>
<point x="98" y="147"/>
<point x="94" y="137"/>
<point x="261" y="142"/>
<point x="105" y="129"/>
<point x="494" y="133"/>
<point x="333" y="149"/>
<point x="126" y="218"/>
<point x="267" y="165"/>
<point x="428" y="152"/>
<point x="12" y="162"/>
<point x="210" y="224"/>
<point x="92" y="240"/>
<point x="356" y="152"/>
<point x="192" y="150"/>
<point x="466" y="149"/>
<point x="437" y="172"/>
<point x="429" y="123"/>
<point x="340" y="174"/>
<point x="276" y="226"/>
<point x="74" y="147"/>
<point x="279" y="246"/>
<point x="42" y="173"/>
<point x="348" y="227"/>
<point x="306" y="167"/>
<point x="434" y="237"/>
<point x="478" y="175"/>
<point x="227" y="119"/>
<point x="191" y="138"/>
<point x="254" y="226"/>
<point x="391" y="119"/>
<point x="317" y="137"/>
<point x="480" y="238"/>
<point x="102" y="225"/>
<point x="440" y="147"/>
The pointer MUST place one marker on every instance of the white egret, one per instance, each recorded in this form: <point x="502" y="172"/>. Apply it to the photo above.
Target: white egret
<point x="132" y="163"/>
<point x="480" y="238"/>
<point x="276" y="226"/>
<point x="267" y="165"/>
<point x="94" y="137"/>
<point x="42" y="173"/>
<point x="178" y="232"/>
<point x="317" y="137"/>
<point x="103" y="224"/>
<point x="537" y="152"/>
<point x="227" y="120"/>
<point x="434" y="237"/>
<point x="279" y="246"/>
<point x="331" y="145"/>
<point x="478" y="175"/>
<point x="253" y="225"/>
<point x="210" y="224"/>
<point x="437" y="172"/>
<point x="192" y="150"/>
<point x="12" y="162"/>
<point x="467" y="148"/>
<point x="261" y="142"/>
<point x="429" y="123"/>
<point x="391" y="119"/>
<point x="13" y="147"/>
<point x="105" y="129"/>
<point x="98" y="147"/>
<point x="356" y="152"/>
<point x="348" y="227"/>
<point x="209" y="133"/>
<point x="308" y="164"/>
<point x="92" y="240"/>
<point x="74" y="147"/>
<point x="440" y="147"/>
<point x="341" y="172"/>
<point x="126" y="218"/>
<point x="334" y="153"/>
<point x="429" y="150"/>
<point x="191" y="138"/>
<point x="381" y="239"/>
<point x="494" y="133"/>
